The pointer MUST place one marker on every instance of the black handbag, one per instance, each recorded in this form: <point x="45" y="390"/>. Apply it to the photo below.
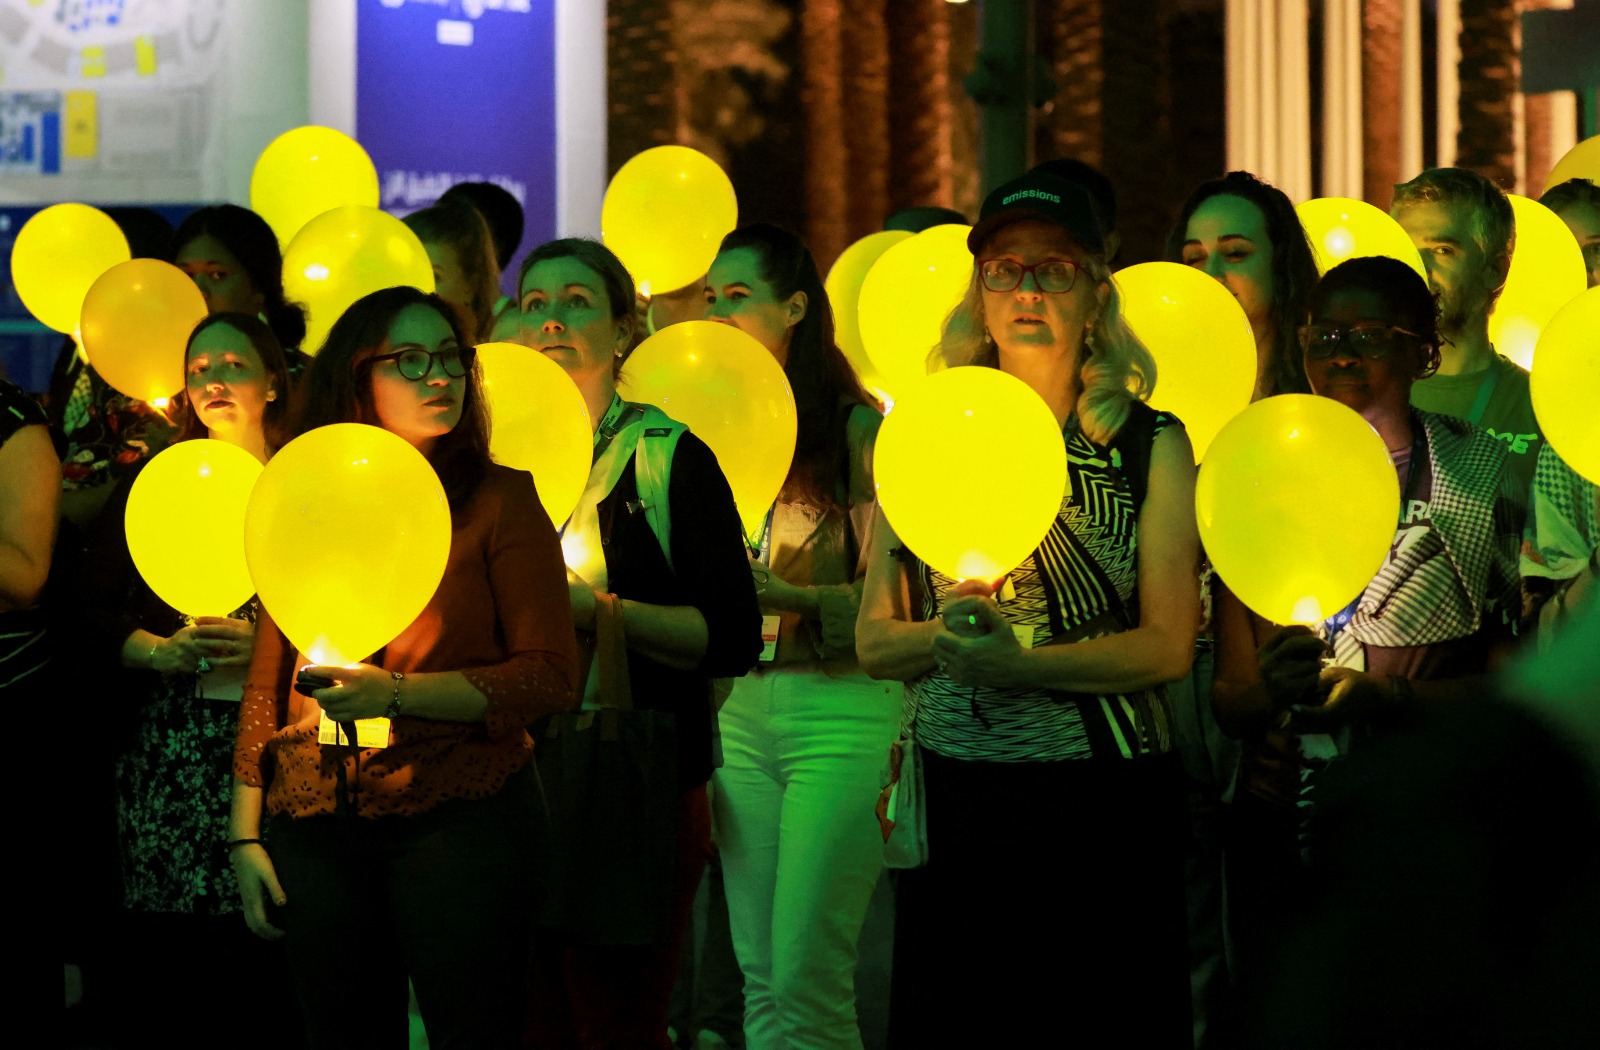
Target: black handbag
<point x="609" y="779"/>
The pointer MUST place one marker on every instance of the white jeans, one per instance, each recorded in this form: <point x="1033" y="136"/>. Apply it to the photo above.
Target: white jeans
<point x="803" y="759"/>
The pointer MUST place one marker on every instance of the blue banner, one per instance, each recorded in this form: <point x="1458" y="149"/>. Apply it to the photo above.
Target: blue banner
<point x="454" y="91"/>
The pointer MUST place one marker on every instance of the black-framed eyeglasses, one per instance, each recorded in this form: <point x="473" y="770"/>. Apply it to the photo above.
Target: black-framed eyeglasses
<point x="1003" y="275"/>
<point x="415" y="364"/>
<point x="1375" y="341"/>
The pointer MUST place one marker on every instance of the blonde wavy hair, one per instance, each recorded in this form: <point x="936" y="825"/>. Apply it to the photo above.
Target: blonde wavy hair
<point x="1115" y="367"/>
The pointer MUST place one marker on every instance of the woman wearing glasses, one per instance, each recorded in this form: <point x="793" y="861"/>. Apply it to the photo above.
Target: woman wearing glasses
<point x="1054" y="803"/>
<point x="426" y="875"/>
<point x="1435" y="616"/>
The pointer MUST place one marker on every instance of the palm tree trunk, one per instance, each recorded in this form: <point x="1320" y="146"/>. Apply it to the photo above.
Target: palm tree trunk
<point x="866" y="125"/>
<point x="641" y="100"/>
<point x="1490" y="69"/>
<point x="920" y="159"/>
<point x="1380" y="99"/>
<point x="1070" y="39"/>
<point x="827" y="160"/>
<point x="1137" y="135"/>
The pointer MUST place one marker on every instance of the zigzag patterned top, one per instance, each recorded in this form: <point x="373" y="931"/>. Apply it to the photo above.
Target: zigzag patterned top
<point x="1057" y="593"/>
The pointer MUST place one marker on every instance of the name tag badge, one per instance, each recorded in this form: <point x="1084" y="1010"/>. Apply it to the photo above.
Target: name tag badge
<point x="769" y="638"/>
<point x="224" y="683"/>
<point x="370" y="732"/>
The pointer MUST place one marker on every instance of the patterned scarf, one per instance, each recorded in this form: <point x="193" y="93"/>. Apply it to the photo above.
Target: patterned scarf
<point x="1434" y="590"/>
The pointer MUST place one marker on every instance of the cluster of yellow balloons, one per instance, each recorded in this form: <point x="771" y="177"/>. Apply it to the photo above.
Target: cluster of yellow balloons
<point x="1204" y="349"/>
<point x="970" y="513"/>
<point x="1340" y="228"/>
<point x="1297" y="504"/>
<point x="843" y="285"/>
<point x="732" y="394"/>
<point x="904" y="300"/>
<point x="665" y="214"/>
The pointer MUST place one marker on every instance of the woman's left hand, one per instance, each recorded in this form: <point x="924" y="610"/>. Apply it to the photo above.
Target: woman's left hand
<point x="1347" y="696"/>
<point x="976" y="645"/>
<point x="362" y="691"/>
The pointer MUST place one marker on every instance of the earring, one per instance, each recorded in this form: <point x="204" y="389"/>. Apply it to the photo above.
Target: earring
<point x="272" y="395"/>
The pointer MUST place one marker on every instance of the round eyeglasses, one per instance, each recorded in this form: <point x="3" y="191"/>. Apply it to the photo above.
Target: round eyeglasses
<point x="416" y="364"/>
<point x="1377" y="342"/>
<point x="1003" y="275"/>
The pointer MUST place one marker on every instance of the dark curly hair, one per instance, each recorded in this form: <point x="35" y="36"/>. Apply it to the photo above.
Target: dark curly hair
<point x="339" y="386"/>
<point x="1294" y="267"/>
<point x="1407" y="301"/>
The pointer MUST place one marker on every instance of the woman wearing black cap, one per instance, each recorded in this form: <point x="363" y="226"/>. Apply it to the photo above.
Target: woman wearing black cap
<point x="1054" y="808"/>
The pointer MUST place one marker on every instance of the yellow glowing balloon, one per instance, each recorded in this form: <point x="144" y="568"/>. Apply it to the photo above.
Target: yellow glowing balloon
<point x="137" y="319"/>
<point x="185" y="525"/>
<point x="1204" y="349"/>
<point x="1547" y="271"/>
<point x="345" y="254"/>
<point x="844" y="294"/>
<point x="1580" y="162"/>
<point x="1340" y="228"/>
<point x="971" y="471"/>
<point x="58" y="254"/>
<point x="541" y="423"/>
<point x="665" y="213"/>
<point x="347" y="536"/>
<point x="1566" y="383"/>
<point x="731" y="393"/>
<point x="1297" y="504"/>
<point x="307" y="171"/>
<point x="905" y="298"/>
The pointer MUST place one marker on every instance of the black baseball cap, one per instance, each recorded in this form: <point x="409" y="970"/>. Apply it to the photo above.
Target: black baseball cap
<point x="1038" y="195"/>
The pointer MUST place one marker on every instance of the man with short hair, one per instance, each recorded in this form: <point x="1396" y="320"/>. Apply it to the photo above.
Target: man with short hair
<point x="1463" y="226"/>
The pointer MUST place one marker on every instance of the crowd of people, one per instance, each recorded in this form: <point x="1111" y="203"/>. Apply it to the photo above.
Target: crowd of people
<point x="1153" y="817"/>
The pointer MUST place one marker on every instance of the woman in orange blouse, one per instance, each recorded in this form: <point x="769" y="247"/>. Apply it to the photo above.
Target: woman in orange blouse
<point x="423" y="870"/>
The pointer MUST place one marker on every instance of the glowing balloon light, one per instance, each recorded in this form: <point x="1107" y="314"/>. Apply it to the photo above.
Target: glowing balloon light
<point x="729" y="390"/>
<point x="307" y="171"/>
<point x="1580" y="162"/>
<point x="344" y="254"/>
<point x="541" y="423"/>
<point x="1297" y="503"/>
<point x="905" y="298"/>
<point x="58" y="255"/>
<point x="1566" y="383"/>
<point x="1340" y="228"/>
<point x="1204" y="349"/>
<point x="137" y="319"/>
<point x="193" y="489"/>
<point x="844" y="294"/>
<point x="665" y="214"/>
<point x="347" y="535"/>
<point x="1547" y="271"/>
<point x="971" y="471"/>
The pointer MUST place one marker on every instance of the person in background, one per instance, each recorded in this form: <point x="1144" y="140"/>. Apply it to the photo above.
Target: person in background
<point x="1009" y="926"/>
<point x="444" y="818"/>
<point x="1421" y="636"/>
<point x="1577" y="203"/>
<point x="1245" y="233"/>
<point x="502" y="213"/>
<point x="804" y="736"/>
<point x="1465" y="229"/>
<point x="30" y="498"/>
<point x="1101" y="194"/>
<point x="174" y="733"/>
<point x="690" y="616"/>
<point x="464" y="273"/>
<point x="665" y="309"/>
<point x="234" y="259"/>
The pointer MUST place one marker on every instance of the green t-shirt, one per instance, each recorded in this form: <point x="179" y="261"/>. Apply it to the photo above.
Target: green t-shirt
<point x="1508" y="415"/>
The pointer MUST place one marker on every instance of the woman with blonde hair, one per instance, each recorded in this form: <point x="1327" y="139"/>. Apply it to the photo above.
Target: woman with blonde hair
<point x="464" y="270"/>
<point x="1053" y="801"/>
